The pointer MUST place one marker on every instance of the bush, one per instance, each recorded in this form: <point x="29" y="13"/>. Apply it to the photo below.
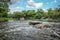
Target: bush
<point x="3" y="19"/>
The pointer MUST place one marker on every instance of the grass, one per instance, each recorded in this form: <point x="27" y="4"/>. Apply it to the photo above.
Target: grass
<point x="51" y="20"/>
<point x="3" y="19"/>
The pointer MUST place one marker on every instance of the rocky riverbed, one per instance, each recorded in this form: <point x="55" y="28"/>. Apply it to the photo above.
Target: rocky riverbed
<point x="21" y="30"/>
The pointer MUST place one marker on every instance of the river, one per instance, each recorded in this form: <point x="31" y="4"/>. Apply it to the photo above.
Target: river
<point x="21" y="30"/>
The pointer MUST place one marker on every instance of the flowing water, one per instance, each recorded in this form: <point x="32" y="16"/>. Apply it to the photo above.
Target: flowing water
<point x="21" y="30"/>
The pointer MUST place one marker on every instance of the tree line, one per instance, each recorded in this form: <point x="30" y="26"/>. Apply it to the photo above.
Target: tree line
<point x="40" y="13"/>
<point x="29" y="14"/>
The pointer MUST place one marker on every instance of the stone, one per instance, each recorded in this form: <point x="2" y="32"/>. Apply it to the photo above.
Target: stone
<point x="34" y="22"/>
<point x="41" y="26"/>
<point x="22" y="18"/>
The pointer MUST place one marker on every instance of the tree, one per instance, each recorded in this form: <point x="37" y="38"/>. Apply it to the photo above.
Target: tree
<point x="30" y="14"/>
<point x="50" y="13"/>
<point x="57" y="11"/>
<point x="39" y="13"/>
<point x="16" y="15"/>
<point x="4" y="4"/>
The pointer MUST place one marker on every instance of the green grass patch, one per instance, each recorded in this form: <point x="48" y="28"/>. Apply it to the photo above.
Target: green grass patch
<point x="53" y="20"/>
<point x="3" y="19"/>
<point x="50" y="20"/>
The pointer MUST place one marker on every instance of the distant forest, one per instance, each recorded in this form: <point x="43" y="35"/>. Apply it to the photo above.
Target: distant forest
<point x="29" y="14"/>
<point x="40" y="13"/>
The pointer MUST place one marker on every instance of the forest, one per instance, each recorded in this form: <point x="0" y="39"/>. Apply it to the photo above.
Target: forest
<point x="28" y="14"/>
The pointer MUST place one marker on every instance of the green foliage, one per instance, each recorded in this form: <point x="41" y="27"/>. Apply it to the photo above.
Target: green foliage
<point x="40" y="13"/>
<point x="54" y="14"/>
<point x="53" y="20"/>
<point x="29" y="14"/>
<point x="3" y="19"/>
<point x="4" y="4"/>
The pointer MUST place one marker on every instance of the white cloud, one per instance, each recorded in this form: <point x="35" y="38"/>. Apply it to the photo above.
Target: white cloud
<point x="31" y="0"/>
<point x="45" y="10"/>
<point x="14" y="1"/>
<point x="38" y="5"/>
<point x="55" y="1"/>
<point x="17" y="9"/>
<point x="32" y="4"/>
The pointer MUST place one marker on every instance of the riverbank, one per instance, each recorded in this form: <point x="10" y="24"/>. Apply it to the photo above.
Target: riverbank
<point x="44" y="20"/>
<point x="3" y="19"/>
<point x="50" y="20"/>
<point x="6" y="19"/>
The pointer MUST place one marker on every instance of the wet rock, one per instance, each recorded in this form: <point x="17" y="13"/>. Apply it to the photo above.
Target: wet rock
<point x="22" y="18"/>
<point x="41" y="26"/>
<point x="28" y="32"/>
<point x="58" y="33"/>
<point x="56" y="28"/>
<point x="34" y="22"/>
<point x="2" y="25"/>
<point x="31" y="34"/>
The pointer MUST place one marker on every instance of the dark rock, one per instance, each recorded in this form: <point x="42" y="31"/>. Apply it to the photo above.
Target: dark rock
<point x="34" y="23"/>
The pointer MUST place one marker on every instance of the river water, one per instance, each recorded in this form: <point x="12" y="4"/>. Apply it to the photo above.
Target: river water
<point x="21" y="30"/>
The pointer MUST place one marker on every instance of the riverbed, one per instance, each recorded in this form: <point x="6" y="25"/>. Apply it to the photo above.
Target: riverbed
<point x="21" y="30"/>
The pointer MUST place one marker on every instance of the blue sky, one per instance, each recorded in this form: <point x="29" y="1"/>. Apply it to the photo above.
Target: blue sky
<point x="19" y="5"/>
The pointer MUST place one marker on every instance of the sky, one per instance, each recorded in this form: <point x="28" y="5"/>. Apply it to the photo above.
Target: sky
<point x="20" y="5"/>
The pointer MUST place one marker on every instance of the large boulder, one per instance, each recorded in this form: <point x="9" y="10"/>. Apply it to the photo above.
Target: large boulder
<point x="41" y="26"/>
<point x="22" y="18"/>
<point x="34" y="22"/>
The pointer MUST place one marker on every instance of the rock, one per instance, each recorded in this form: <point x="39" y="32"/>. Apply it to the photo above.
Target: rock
<point x="34" y="22"/>
<point x="40" y="26"/>
<point x="50" y="32"/>
<point x="22" y="18"/>
<point x="58" y="33"/>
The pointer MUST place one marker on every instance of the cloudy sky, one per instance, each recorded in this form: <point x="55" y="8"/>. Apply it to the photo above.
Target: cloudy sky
<point x="19" y="5"/>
